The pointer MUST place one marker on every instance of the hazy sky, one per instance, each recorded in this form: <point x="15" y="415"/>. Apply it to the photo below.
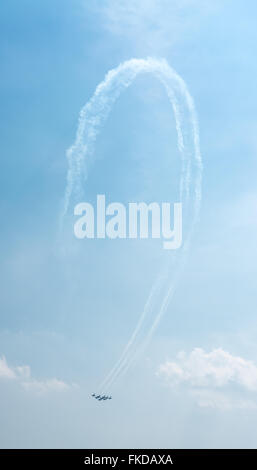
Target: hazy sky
<point x="66" y="319"/>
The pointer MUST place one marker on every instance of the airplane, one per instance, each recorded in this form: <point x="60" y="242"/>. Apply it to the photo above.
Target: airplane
<point x="101" y="397"/>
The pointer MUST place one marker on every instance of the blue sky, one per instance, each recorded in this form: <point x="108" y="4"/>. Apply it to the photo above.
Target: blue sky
<point x="68" y="318"/>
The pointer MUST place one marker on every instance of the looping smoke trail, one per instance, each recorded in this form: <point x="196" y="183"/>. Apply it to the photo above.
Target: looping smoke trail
<point x="92" y="116"/>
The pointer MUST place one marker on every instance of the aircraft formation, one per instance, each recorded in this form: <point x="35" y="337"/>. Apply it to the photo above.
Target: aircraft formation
<point x="101" y="397"/>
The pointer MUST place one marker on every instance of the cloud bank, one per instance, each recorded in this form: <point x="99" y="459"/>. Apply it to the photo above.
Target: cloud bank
<point x="22" y="375"/>
<point x="213" y="378"/>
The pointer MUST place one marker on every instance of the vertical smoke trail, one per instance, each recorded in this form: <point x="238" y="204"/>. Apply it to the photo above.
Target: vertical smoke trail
<point x="122" y="369"/>
<point x="141" y="348"/>
<point x="196" y="207"/>
<point x="93" y="115"/>
<point x="122" y="366"/>
<point x="172" y="284"/>
<point x="119" y="364"/>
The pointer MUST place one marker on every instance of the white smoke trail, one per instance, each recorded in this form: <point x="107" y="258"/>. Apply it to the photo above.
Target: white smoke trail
<point x="119" y="364"/>
<point x="138" y="351"/>
<point x="122" y="366"/>
<point x="93" y="115"/>
<point x="196" y="209"/>
<point x="95" y="112"/>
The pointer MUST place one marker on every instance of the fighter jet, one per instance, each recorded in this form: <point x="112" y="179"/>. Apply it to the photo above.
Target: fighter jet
<point x="105" y="398"/>
<point x="101" y="397"/>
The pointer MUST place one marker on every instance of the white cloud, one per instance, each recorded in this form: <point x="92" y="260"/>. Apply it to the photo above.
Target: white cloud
<point x="45" y="386"/>
<point x="153" y="23"/>
<point x="215" y="399"/>
<point x="211" y="376"/>
<point x="23" y="376"/>
<point x="5" y="371"/>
